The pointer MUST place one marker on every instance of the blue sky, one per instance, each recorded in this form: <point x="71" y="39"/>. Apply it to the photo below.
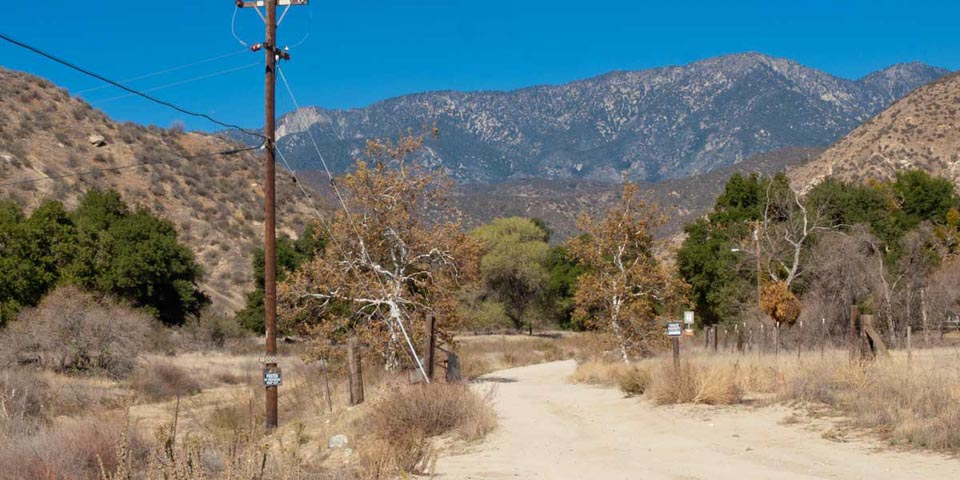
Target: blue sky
<point x="361" y="51"/>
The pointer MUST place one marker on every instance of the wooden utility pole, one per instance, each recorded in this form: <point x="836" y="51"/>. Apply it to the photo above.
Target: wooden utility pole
<point x="270" y="209"/>
<point x="271" y="52"/>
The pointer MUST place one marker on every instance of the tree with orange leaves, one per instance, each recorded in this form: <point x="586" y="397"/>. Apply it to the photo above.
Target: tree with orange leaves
<point x="393" y="258"/>
<point x="625" y="289"/>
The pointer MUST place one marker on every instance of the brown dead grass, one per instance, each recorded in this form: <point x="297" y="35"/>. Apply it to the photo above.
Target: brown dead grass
<point x="158" y="381"/>
<point x="915" y="404"/>
<point x="68" y="449"/>
<point x="398" y="432"/>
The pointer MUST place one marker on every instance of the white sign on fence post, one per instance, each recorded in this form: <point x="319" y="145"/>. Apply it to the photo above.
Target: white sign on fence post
<point x="673" y="329"/>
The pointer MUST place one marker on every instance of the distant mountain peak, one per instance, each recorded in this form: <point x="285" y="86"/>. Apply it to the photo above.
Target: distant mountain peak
<point x="667" y="122"/>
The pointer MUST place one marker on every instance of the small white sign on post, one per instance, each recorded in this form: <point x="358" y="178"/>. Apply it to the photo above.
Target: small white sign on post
<point x="674" y="330"/>
<point x="688" y="317"/>
<point x="272" y="377"/>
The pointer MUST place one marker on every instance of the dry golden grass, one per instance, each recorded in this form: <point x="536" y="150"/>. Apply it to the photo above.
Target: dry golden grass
<point x="914" y="403"/>
<point x="695" y="382"/>
<point x="396" y="437"/>
<point x="219" y="430"/>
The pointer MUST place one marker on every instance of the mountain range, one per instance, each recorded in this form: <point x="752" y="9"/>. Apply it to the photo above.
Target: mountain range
<point x="216" y="202"/>
<point x="648" y="125"/>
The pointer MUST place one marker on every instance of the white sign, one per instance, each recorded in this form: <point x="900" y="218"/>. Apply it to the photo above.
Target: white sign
<point x="272" y="377"/>
<point x="688" y="317"/>
<point x="674" y="330"/>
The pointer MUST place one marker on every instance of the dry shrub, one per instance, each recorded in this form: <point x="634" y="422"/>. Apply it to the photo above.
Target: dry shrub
<point x="695" y="382"/>
<point x="211" y="330"/>
<point x="599" y="372"/>
<point x="400" y="427"/>
<point x="242" y="456"/>
<point x="917" y="406"/>
<point x="157" y="381"/>
<point x="73" y="449"/>
<point x="74" y="331"/>
<point x="780" y="303"/>
<point x="24" y="397"/>
<point x="635" y="381"/>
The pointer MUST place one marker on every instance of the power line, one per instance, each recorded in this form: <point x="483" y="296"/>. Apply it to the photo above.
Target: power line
<point x="165" y="71"/>
<point x="121" y="86"/>
<point x="179" y="82"/>
<point x="124" y="167"/>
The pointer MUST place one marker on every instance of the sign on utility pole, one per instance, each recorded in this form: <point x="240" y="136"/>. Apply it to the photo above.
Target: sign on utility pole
<point x="270" y="196"/>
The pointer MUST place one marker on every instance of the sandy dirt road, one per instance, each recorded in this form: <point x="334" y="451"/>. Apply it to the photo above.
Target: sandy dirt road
<point x="551" y="429"/>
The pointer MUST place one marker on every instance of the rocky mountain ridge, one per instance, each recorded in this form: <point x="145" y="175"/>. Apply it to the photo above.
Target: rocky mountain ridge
<point x="647" y="125"/>
<point x="920" y="131"/>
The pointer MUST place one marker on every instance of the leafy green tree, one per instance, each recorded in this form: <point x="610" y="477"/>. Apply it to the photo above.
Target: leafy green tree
<point x="291" y="254"/>
<point x="31" y="252"/>
<point x="135" y="256"/>
<point x="923" y="197"/>
<point x="512" y="265"/>
<point x="101" y="246"/>
<point x="563" y="271"/>
<point x="720" y="283"/>
<point x="150" y="267"/>
<point x="890" y="209"/>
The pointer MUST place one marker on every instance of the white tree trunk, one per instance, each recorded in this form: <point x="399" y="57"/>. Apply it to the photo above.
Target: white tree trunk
<point x="617" y="329"/>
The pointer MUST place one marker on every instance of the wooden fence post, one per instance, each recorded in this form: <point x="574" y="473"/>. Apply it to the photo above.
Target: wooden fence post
<point x="676" y="352"/>
<point x="354" y="370"/>
<point x="453" y="368"/>
<point x="853" y="339"/>
<point x="429" y="346"/>
<point x="823" y="333"/>
<point x="776" y="340"/>
<point x="326" y="384"/>
<point x="800" y="340"/>
<point x="909" y="346"/>
<point x="739" y="336"/>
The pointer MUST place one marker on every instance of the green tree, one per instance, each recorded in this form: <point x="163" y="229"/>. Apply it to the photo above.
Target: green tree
<point x="719" y="281"/>
<point x="32" y="250"/>
<point x="563" y="271"/>
<point x="100" y="246"/>
<point x="923" y="197"/>
<point x="291" y="254"/>
<point x="512" y="265"/>
<point x="135" y="256"/>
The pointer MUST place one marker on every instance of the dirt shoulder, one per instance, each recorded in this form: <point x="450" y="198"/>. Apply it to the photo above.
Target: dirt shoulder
<point x="549" y="428"/>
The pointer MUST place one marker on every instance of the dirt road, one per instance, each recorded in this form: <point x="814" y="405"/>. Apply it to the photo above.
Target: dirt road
<point x="551" y="429"/>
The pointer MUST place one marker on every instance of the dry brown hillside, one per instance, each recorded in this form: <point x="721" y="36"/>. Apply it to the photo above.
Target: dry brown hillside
<point x="921" y="131"/>
<point x="216" y="202"/>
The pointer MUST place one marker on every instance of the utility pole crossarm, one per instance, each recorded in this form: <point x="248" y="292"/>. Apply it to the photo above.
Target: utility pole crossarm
<point x="279" y="3"/>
